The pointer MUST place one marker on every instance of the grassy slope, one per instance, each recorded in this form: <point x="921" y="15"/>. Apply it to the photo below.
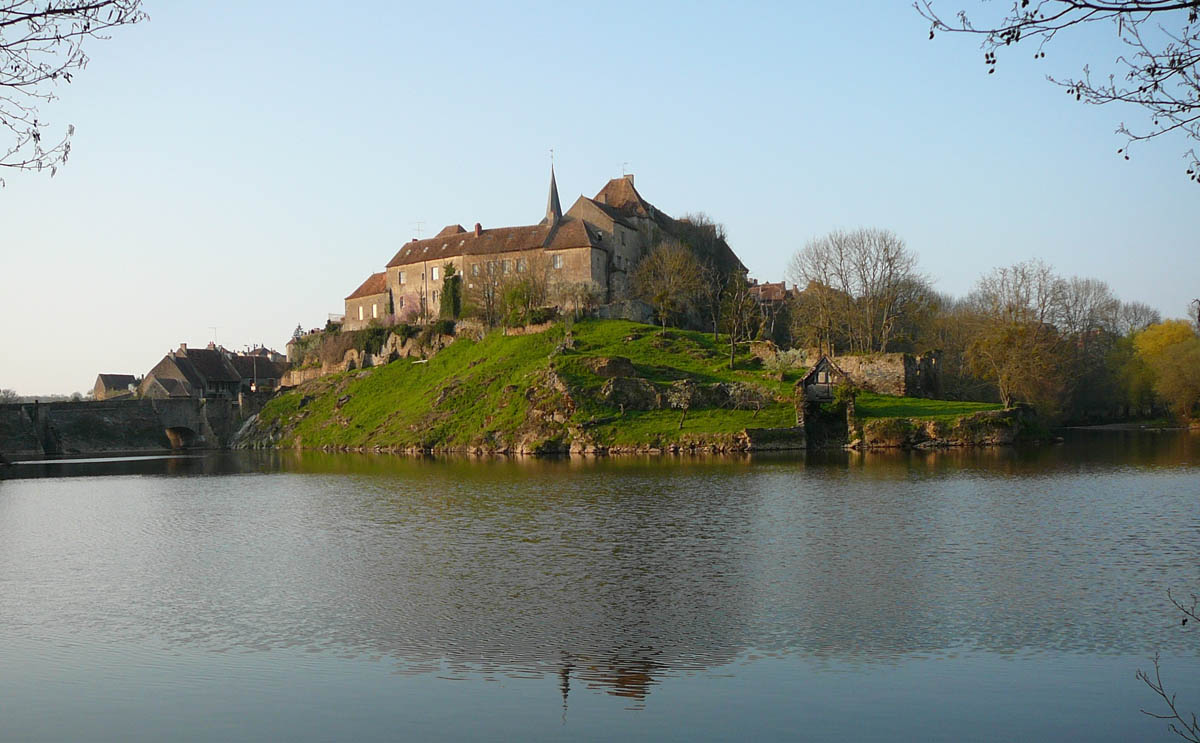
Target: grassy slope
<point x="478" y="393"/>
<point x="870" y="405"/>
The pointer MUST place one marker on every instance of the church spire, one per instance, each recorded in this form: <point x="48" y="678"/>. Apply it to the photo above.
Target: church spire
<point x="553" y="208"/>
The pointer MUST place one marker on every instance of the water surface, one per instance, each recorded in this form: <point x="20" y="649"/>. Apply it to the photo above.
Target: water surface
<point x="984" y="595"/>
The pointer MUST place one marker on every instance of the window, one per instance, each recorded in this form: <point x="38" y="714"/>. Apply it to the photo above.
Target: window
<point x="435" y="295"/>
<point x="507" y="266"/>
<point x="522" y="264"/>
<point x="474" y="269"/>
<point x="374" y="310"/>
<point x="434" y="275"/>
<point x="401" y="302"/>
<point x="360" y="312"/>
<point x="402" y="278"/>
<point x="558" y="261"/>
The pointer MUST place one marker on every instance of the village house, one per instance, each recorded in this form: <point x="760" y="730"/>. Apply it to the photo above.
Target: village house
<point x="594" y="246"/>
<point x="213" y="372"/>
<point x="112" y="386"/>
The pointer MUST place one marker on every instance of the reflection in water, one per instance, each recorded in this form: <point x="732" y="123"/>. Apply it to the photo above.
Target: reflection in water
<point x="617" y="573"/>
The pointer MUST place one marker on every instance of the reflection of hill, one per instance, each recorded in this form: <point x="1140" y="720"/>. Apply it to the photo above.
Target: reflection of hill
<point x="616" y="574"/>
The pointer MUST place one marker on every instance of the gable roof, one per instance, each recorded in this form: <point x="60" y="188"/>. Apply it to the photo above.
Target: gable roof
<point x="211" y="364"/>
<point x="116" y="381"/>
<point x="258" y="367"/>
<point x="823" y="363"/>
<point x="172" y="387"/>
<point x="620" y="194"/>
<point x="376" y="283"/>
<point x="567" y="233"/>
<point x="450" y="229"/>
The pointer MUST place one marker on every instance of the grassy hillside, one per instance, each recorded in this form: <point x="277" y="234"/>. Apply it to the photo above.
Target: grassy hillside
<point x="535" y="391"/>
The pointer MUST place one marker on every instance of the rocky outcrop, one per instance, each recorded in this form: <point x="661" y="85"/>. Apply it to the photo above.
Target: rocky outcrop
<point x="630" y="393"/>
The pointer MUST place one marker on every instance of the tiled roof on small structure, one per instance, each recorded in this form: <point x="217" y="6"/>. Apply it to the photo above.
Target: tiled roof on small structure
<point x="376" y="283"/>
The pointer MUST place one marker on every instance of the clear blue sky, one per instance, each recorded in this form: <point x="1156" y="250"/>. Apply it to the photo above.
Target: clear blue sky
<point x="247" y="166"/>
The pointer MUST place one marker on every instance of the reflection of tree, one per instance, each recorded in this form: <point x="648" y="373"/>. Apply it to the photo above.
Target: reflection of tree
<point x="620" y="574"/>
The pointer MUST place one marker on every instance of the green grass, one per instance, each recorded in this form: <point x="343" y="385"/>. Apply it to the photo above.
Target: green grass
<point x="486" y="393"/>
<point x="870" y="405"/>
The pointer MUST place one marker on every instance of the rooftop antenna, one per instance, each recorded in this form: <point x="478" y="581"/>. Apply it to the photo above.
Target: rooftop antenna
<point x="624" y="169"/>
<point x="551" y="157"/>
<point x="418" y="226"/>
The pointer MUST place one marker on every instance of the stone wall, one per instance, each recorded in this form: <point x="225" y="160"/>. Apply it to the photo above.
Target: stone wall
<point x="18" y="435"/>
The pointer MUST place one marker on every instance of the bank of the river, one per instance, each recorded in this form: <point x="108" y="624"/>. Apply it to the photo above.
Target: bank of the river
<point x="602" y="387"/>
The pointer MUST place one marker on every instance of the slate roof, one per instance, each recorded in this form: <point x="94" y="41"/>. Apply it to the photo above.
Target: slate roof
<point x="569" y="233"/>
<point x="173" y="387"/>
<point x="257" y="367"/>
<point x="117" y="381"/>
<point x="376" y="283"/>
<point x="212" y="364"/>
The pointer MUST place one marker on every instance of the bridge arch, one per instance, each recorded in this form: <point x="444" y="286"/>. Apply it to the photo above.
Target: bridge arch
<point x="181" y="437"/>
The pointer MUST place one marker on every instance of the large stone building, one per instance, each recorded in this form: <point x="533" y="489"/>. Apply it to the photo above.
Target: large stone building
<point x="594" y="246"/>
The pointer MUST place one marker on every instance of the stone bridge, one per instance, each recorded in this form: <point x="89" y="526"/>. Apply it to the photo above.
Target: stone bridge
<point x="37" y="429"/>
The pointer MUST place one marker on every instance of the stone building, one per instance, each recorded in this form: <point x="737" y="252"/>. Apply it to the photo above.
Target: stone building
<point x="368" y="302"/>
<point x="593" y="246"/>
<point x="201" y="372"/>
<point x="213" y="372"/>
<point x="111" y="386"/>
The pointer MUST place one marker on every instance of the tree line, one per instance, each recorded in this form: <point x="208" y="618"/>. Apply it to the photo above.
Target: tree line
<point x="1024" y="333"/>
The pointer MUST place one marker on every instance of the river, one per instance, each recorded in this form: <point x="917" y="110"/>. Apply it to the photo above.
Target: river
<point x="992" y="594"/>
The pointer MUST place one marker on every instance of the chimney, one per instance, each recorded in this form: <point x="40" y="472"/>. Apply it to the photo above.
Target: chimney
<point x="478" y="229"/>
<point x="414" y="239"/>
<point x="629" y="177"/>
<point x="183" y="348"/>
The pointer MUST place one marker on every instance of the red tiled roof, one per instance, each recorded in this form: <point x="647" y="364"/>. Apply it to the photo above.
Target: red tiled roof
<point x="569" y="233"/>
<point x="451" y="229"/>
<point x="620" y="194"/>
<point x="376" y="283"/>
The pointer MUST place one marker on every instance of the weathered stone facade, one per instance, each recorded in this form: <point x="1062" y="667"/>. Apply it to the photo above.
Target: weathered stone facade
<point x="901" y="374"/>
<point x="592" y="247"/>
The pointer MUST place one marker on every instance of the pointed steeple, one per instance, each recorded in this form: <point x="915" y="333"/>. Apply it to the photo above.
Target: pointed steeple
<point x="553" y="208"/>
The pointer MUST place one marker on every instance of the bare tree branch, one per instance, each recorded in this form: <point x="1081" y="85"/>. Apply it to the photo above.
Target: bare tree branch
<point x="41" y="44"/>
<point x="1160" y="73"/>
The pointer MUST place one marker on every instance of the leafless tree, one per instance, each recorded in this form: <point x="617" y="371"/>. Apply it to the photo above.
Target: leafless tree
<point x="1183" y="724"/>
<point x="41" y="44"/>
<point x="485" y="291"/>
<point x="713" y="281"/>
<point x="1135" y="316"/>
<point x="740" y="316"/>
<point x="668" y="279"/>
<point x="1086" y="305"/>
<point x="864" y="280"/>
<point x="1159" y="73"/>
<point x="1017" y="347"/>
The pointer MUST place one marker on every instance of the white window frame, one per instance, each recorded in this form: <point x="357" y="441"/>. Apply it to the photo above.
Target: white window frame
<point x="360" y="312"/>
<point x="434" y="275"/>
<point x="374" y="310"/>
<point x="558" y="261"/>
<point x="402" y="281"/>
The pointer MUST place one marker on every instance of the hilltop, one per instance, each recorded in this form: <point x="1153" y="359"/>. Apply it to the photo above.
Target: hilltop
<point x="596" y="386"/>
